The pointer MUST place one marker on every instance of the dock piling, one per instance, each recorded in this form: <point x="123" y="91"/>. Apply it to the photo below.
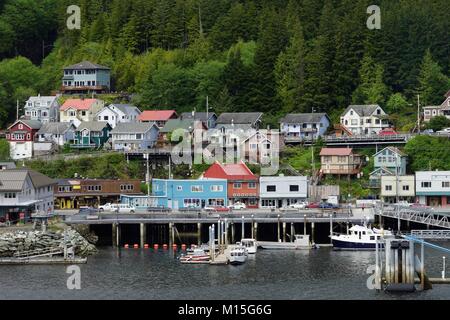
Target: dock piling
<point x="284" y="231"/>
<point x="142" y="234"/>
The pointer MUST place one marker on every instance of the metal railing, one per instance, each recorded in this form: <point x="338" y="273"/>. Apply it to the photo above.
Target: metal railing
<point x="431" y="234"/>
<point x="427" y="217"/>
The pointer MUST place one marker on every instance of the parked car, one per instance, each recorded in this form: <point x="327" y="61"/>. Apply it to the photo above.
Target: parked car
<point x="312" y="205"/>
<point x="87" y="210"/>
<point x="445" y="131"/>
<point x="298" y="205"/>
<point x="106" y="207"/>
<point x="327" y="205"/>
<point x="216" y="209"/>
<point x="123" y="208"/>
<point x="237" y="206"/>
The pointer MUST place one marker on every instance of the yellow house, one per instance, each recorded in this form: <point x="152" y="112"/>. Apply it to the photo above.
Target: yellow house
<point x="80" y="110"/>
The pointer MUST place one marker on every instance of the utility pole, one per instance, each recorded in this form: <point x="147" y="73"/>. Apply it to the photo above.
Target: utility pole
<point x="418" y="113"/>
<point x="397" y="195"/>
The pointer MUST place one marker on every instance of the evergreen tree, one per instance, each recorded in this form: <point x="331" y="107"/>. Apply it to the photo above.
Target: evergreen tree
<point x="372" y="89"/>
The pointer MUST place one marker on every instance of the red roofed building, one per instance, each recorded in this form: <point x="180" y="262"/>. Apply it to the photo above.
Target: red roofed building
<point x="340" y="161"/>
<point x="80" y="110"/>
<point x="243" y="185"/>
<point x="158" y="116"/>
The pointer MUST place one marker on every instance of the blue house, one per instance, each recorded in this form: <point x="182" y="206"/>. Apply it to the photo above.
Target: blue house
<point x="386" y="163"/>
<point x="178" y="194"/>
<point x="304" y="125"/>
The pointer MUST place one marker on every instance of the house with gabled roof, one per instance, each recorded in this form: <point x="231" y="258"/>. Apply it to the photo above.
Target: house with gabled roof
<point x="20" y="136"/>
<point x="340" y="161"/>
<point x="243" y="185"/>
<point x="160" y="117"/>
<point x="86" y="77"/>
<point x="250" y="119"/>
<point x="429" y="112"/>
<point x="364" y="119"/>
<point x="42" y="108"/>
<point x="304" y="125"/>
<point x="209" y="119"/>
<point x="134" y="136"/>
<point x="181" y="128"/>
<point x="118" y="113"/>
<point x="23" y="191"/>
<point x="387" y="162"/>
<point x="91" y="135"/>
<point x="80" y="110"/>
<point x="58" y="133"/>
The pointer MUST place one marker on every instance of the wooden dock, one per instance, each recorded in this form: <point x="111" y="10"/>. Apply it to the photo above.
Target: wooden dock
<point x="42" y="261"/>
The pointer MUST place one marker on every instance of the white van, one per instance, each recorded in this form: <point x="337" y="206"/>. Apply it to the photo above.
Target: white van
<point x="123" y="208"/>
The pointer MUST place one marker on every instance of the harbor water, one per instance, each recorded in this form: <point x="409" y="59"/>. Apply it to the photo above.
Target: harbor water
<point x="146" y="274"/>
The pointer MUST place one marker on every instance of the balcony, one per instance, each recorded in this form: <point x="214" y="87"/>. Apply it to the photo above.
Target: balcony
<point x="84" y="88"/>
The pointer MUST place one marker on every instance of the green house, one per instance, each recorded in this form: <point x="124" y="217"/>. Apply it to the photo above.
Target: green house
<point x="91" y="134"/>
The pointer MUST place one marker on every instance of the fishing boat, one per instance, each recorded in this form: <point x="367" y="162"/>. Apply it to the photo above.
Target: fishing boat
<point x="196" y="255"/>
<point x="358" y="238"/>
<point x="250" y="245"/>
<point x="300" y="242"/>
<point x="238" y="255"/>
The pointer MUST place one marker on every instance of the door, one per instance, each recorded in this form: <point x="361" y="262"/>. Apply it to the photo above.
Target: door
<point x="280" y="203"/>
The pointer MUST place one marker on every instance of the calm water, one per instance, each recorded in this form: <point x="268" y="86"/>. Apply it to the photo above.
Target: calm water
<point x="144" y="274"/>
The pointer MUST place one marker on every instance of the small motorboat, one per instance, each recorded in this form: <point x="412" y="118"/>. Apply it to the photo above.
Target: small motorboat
<point x="300" y="242"/>
<point x="250" y="245"/>
<point x="238" y="254"/>
<point x="359" y="238"/>
<point x="196" y="255"/>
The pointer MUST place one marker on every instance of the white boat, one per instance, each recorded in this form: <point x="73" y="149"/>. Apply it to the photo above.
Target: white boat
<point x="196" y="255"/>
<point x="358" y="238"/>
<point x="300" y="242"/>
<point x="250" y="245"/>
<point x="238" y="254"/>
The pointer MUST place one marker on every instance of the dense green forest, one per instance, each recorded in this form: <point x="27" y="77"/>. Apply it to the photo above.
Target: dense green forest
<point x="274" y="56"/>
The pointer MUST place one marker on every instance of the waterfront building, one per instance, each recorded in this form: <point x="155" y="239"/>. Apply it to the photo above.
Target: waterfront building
<point x="406" y="188"/>
<point x="245" y="119"/>
<point x="86" y="77"/>
<point x="433" y="188"/>
<point x="243" y="185"/>
<point x="364" y="119"/>
<point x="388" y="161"/>
<point x="91" y="135"/>
<point x="42" y="108"/>
<point x="23" y="191"/>
<point x="80" y="110"/>
<point x="282" y="191"/>
<point x="118" y="113"/>
<point x="134" y="136"/>
<point x="57" y="133"/>
<point x="304" y="125"/>
<point x="160" y="117"/>
<point x="20" y="137"/>
<point x="340" y="161"/>
<point x="209" y="119"/>
<point x="75" y="193"/>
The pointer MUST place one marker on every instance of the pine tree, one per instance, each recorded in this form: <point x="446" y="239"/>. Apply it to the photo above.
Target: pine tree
<point x="433" y="84"/>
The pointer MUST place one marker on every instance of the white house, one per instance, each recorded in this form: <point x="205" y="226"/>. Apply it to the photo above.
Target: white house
<point x="24" y="191"/>
<point x="134" y="136"/>
<point x="282" y="191"/>
<point x="80" y="110"/>
<point x="42" y="108"/>
<point x="364" y="119"/>
<point x="433" y="188"/>
<point x="118" y="113"/>
<point x="429" y="112"/>
<point x="406" y="188"/>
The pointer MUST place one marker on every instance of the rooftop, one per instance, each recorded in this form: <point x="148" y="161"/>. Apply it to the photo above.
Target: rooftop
<point x="336" y="151"/>
<point x="303" y="117"/>
<point x="78" y="104"/>
<point x="86" y="65"/>
<point x="239" y="117"/>
<point x="156" y="115"/>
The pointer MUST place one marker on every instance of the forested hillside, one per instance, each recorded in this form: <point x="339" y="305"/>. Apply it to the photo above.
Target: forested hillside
<point x="274" y="56"/>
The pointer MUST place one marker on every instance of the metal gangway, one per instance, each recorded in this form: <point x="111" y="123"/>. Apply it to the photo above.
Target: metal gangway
<point x="424" y="216"/>
<point x="44" y="252"/>
<point x="431" y="234"/>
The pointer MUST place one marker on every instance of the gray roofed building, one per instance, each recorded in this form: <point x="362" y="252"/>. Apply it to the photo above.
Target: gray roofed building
<point x="55" y="128"/>
<point x="208" y="118"/>
<point x="7" y="165"/>
<point x="365" y="110"/>
<point x="92" y="126"/>
<point x="126" y="108"/>
<point x="252" y="118"/>
<point x="33" y="124"/>
<point x="303" y="117"/>
<point x="86" y="65"/>
<point x="13" y="179"/>
<point x="133" y="127"/>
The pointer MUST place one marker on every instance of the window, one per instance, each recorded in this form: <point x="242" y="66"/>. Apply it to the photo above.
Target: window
<point x="216" y="188"/>
<point x="388" y="188"/>
<point x="10" y="195"/>
<point x="126" y="187"/>
<point x="271" y="188"/>
<point x="377" y="121"/>
<point x="106" y="118"/>
<point x="237" y="185"/>
<point x="138" y="136"/>
<point x="196" y="188"/>
<point x="179" y="188"/>
<point x="369" y="121"/>
<point x="354" y="122"/>
<point x="445" y="184"/>
<point x="83" y="113"/>
<point x="293" y="188"/>
<point x="351" y="112"/>
<point x="378" y="111"/>
<point x="72" y="113"/>
<point x="20" y="126"/>
<point x="253" y="146"/>
<point x="405" y="188"/>
<point x="252" y="185"/>
<point x="426" y="184"/>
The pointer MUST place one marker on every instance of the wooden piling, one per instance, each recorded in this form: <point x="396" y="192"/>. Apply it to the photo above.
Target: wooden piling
<point x="143" y="234"/>
<point x="199" y="233"/>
